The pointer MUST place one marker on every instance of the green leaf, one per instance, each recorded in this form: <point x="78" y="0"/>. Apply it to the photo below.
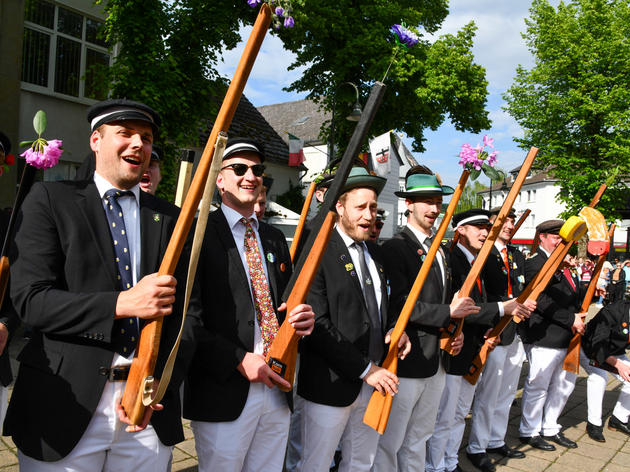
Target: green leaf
<point x="491" y="172"/>
<point x="39" y="122"/>
<point x="26" y="143"/>
<point x="474" y="174"/>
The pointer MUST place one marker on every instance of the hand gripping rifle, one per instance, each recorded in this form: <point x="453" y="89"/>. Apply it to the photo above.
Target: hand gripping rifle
<point x="282" y="354"/>
<point x="455" y="328"/>
<point x="571" y="231"/>
<point x="596" y="224"/>
<point x="140" y="380"/>
<point x="377" y="412"/>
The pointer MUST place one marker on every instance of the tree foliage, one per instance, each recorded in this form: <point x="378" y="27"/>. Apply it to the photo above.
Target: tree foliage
<point x="166" y="55"/>
<point x="574" y="104"/>
<point x="341" y="41"/>
<point x="470" y="197"/>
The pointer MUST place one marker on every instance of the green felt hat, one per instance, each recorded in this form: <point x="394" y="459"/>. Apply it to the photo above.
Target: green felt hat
<point x="359" y="177"/>
<point x="420" y="185"/>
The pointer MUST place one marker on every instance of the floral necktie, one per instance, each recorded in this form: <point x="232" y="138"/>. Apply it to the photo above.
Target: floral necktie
<point x="265" y="313"/>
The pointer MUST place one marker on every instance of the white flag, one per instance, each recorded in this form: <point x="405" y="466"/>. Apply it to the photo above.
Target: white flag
<point x="380" y="151"/>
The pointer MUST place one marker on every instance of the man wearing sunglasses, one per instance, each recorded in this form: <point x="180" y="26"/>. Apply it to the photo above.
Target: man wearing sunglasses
<point x="240" y="420"/>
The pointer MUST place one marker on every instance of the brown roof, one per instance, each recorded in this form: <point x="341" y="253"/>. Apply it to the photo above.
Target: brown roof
<point x="249" y="123"/>
<point x="301" y="118"/>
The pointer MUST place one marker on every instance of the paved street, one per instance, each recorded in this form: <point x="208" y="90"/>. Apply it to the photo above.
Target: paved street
<point x="590" y="456"/>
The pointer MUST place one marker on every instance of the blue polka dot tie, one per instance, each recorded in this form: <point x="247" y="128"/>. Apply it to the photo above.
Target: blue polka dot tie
<point x="125" y="333"/>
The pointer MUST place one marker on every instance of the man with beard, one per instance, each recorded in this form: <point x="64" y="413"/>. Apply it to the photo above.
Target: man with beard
<point x="339" y="361"/>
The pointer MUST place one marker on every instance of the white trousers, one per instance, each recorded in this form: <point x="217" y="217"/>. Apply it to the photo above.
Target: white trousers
<point x="255" y="441"/>
<point x="323" y="427"/>
<point x="410" y="425"/>
<point x="105" y="446"/>
<point x="455" y="404"/>
<point x="493" y="397"/>
<point x="595" y="389"/>
<point x="546" y="391"/>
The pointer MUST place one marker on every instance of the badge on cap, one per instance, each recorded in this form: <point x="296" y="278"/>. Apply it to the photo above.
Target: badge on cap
<point x="349" y="267"/>
<point x="271" y="257"/>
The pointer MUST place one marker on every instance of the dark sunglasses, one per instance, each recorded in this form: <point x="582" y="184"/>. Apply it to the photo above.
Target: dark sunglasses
<point x="379" y="224"/>
<point x="241" y="169"/>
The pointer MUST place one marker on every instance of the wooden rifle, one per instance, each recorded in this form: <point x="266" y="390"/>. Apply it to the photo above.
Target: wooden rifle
<point x="140" y="379"/>
<point x="455" y="327"/>
<point x="536" y="286"/>
<point x="572" y="359"/>
<point x="187" y="161"/>
<point x="520" y="222"/>
<point x="300" y="226"/>
<point x="282" y="355"/>
<point x="377" y="412"/>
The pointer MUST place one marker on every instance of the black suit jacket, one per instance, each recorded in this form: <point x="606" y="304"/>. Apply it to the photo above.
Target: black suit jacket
<point x="496" y="282"/>
<point x="334" y="356"/>
<point x="607" y="334"/>
<point x="550" y="324"/>
<point x="8" y="317"/>
<point x="215" y="390"/>
<point x="403" y="258"/>
<point x="64" y="286"/>
<point x="475" y="326"/>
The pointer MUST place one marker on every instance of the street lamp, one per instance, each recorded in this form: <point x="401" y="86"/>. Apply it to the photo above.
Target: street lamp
<point x="355" y="115"/>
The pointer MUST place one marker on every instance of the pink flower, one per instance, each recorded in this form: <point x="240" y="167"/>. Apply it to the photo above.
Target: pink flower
<point x="46" y="158"/>
<point x="487" y="141"/>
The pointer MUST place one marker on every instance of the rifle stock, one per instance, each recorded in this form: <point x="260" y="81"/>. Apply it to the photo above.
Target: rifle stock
<point x="572" y="359"/>
<point x="300" y="226"/>
<point x="475" y="271"/>
<point x="377" y="412"/>
<point x="141" y="372"/>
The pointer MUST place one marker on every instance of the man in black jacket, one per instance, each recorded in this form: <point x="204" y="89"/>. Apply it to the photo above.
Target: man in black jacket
<point x="339" y="361"/>
<point x="414" y="408"/>
<point x="240" y="419"/>
<point x="604" y="347"/>
<point x="546" y="336"/>
<point x="472" y="226"/>
<point x="83" y="277"/>
<point x="504" y="278"/>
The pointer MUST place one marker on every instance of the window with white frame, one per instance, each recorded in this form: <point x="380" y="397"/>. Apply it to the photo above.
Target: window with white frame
<point x="63" y="51"/>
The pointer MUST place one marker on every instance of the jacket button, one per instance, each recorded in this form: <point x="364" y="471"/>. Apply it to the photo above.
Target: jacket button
<point x="250" y="322"/>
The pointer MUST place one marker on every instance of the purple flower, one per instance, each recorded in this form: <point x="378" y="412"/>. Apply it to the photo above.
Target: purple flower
<point x="475" y="157"/>
<point x="406" y="37"/>
<point x="253" y="3"/>
<point x="289" y="22"/>
<point x="487" y="141"/>
<point x="46" y="158"/>
<point x="279" y="11"/>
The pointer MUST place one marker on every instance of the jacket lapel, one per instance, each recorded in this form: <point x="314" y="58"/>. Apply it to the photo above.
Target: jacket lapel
<point x="151" y="223"/>
<point x="345" y="260"/>
<point x="91" y="205"/>
<point x="435" y="272"/>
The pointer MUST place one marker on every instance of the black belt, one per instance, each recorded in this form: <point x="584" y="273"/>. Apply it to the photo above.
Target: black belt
<point x="114" y="374"/>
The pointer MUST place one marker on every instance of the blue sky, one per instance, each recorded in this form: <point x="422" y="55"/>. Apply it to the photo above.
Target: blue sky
<point x="498" y="46"/>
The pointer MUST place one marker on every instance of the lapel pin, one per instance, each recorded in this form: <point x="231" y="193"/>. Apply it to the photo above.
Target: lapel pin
<point x="349" y="267"/>
<point x="271" y="257"/>
<point x="156" y="217"/>
<point x="283" y="267"/>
